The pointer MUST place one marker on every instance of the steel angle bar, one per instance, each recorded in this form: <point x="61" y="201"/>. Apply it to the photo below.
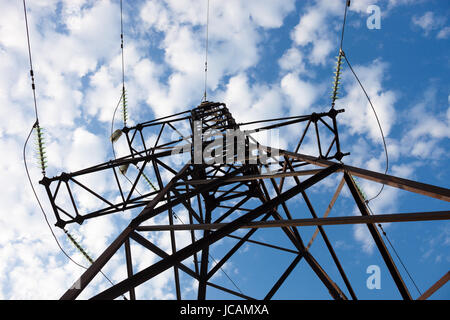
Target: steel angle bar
<point x="100" y="262"/>
<point x="441" y="282"/>
<point x="283" y="277"/>
<point x="393" y="181"/>
<point x="328" y="221"/>
<point x="402" y="288"/>
<point x="200" y="244"/>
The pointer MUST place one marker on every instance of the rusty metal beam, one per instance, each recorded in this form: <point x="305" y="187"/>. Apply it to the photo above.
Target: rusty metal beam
<point x="325" y="238"/>
<point x="379" y="218"/>
<point x="402" y="288"/>
<point x="238" y="294"/>
<point x="98" y="264"/>
<point x="257" y="177"/>
<point x="401" y="183"/>
<point x="209" y="181"/>
<point x="327" y="211"/>
<point x="189" y="250"/>
<point x="129" y="266"/>
<point x="442" y="281"/>
<point x="283" y="277"/>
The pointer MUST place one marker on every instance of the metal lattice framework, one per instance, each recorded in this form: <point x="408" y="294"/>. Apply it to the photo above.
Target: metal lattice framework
<point x="222" y="193"/>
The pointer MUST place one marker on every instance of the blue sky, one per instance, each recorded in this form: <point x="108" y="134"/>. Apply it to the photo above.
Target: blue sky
<point x="266" y="59"/>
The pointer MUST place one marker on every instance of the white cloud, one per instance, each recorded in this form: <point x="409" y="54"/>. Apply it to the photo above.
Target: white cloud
<point x="395" y="3"/>
<point x="358" y="115"/>
<point x="230" y="53"/>
<point x="246" y="101"/>
<point x="426" y="21"/>
<point x="301" y="94"/>
<point x="444" y="33"/>
<point x="318" y="28"/>
<point x="362" y="235"/>
<point x="313" y="29"/>
<point x="292" y="60"/>
<point x="426" y="127"/>
<point x="429" y="21"/>
<point x="86" y="150"/>
<point x="60" y="60"/>
<point x="78" y="76"/>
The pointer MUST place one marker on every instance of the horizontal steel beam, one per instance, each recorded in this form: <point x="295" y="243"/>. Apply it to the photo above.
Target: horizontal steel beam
<point x="162" y="265"/>
<point x="401" y="183"/>
<point x="257" y="177"/>
<point x="379" y="218"/>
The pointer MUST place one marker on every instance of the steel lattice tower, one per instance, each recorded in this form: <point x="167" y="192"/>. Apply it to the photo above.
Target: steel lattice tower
<point x="241" y="185"/>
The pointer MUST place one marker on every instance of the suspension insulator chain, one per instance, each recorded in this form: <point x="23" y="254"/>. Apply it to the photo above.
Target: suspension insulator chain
<point x="40" y="148"/>
<point x="78" y="246"/>
<point x="124" y="107"/>
<point x="148" y="181"/>
<point x="337" y="77"/>
<point x="360" y="190"/>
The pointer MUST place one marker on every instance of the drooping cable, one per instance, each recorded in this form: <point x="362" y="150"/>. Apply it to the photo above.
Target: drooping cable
<point x="378" y="122"/>
<point x="115" y="135"/>
<point x="335" y="87"/>
<point x="45" y="215"/>
<point x="358" y="187"/>
<point x="39" y="202"/>
<point x="39" y="135"/>
<point x="41" y="151"/>
<point x="367" y="201"/>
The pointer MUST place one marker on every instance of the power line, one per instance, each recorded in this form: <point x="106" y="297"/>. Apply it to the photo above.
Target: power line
<point x="363" y="196"/>
<point x="114" y="137"/>
<point x="41" y="149"/>
<point x="341" y="53"/>
<point x="39" y="202"/>
<point x="396" y="253"/>
<point x="337" y="76"/>
<point x="204" y="98"/>
<point x="378" y="122"/>
<point x="347" y="4"/>
<point x="43" y="211"/>
<point x="121" y="44"/>
<point x="36" y="125"/>
<point x="206" y="49"/>
<point x="31" y="61"/>
<point x="123" y="98"/>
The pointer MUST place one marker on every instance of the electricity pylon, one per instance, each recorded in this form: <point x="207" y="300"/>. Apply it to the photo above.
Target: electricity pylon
<point x="228" y="182"/>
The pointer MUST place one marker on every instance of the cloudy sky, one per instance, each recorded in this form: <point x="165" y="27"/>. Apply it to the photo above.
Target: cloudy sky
<point x="266" y="59"/>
